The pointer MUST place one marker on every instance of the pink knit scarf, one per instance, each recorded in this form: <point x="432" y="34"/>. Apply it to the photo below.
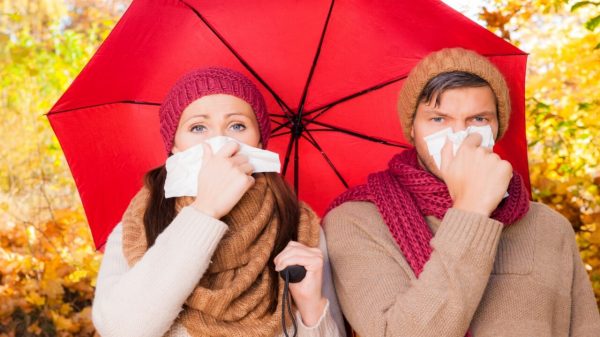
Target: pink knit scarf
<point x="405" y="193"/>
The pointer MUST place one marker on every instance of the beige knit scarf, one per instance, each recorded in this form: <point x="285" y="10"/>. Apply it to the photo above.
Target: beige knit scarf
<point x="232" y="298"/>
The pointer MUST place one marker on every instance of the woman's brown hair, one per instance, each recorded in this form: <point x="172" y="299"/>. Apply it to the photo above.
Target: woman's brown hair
<point x="160" y="212"/>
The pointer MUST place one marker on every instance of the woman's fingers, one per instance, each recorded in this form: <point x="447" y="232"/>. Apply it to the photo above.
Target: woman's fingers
<point x="223" y="179"/>
<point x="297" y="254"/>
<point x="228" y="150"/>
<point x="206" y="152"/>
<point x="246" y="168"/>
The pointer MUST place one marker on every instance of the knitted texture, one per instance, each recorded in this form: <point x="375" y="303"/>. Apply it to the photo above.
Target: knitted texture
<point x="526" y="279"/>
<point x="210" y="81"/>
<point x="444" y="61"/>
<point x="232" y="297"/>
<point x="405" y="193"/>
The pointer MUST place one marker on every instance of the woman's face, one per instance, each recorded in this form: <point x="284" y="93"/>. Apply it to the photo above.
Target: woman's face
<point x="216" y="115"/>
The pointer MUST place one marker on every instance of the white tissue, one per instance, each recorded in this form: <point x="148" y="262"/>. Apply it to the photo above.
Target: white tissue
<point x="435" y="142"/>
<point x="183" y="167"/>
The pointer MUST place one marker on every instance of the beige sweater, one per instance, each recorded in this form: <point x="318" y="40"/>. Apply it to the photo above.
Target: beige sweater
<point x="146" y="299"/>
<point x="523" y="280"/>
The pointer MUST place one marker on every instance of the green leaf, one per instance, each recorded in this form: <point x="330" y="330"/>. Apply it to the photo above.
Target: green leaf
<point x="597" y="46"/>
<point x="542" y="105"/>
<point x="582" y="4"/>
<point x="592" y="23"/>
<point x="585" y="106"/>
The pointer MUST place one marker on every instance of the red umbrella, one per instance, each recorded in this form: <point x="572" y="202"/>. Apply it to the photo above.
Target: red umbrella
<point x="330" y="72"/>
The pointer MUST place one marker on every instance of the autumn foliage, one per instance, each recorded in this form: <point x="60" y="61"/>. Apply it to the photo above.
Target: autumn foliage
<point x="563" y="108"/>
<point x="48" y="264"/>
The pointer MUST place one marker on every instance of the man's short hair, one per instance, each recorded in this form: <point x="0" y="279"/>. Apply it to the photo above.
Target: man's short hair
<point x="450" y="80"/>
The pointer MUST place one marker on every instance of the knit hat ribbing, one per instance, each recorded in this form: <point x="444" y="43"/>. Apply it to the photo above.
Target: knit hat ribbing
<point x="448" y="60"/>
<point x="210" y="81"/>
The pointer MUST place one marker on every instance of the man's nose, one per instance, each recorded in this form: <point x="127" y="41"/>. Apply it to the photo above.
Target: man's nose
<point x="459" y="126"/>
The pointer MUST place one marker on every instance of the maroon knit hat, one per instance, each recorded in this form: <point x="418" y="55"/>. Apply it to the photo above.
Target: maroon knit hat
<point x="210" y="81"/>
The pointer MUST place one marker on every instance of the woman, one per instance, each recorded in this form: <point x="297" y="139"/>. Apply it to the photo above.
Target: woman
<point x="208" y="265"/>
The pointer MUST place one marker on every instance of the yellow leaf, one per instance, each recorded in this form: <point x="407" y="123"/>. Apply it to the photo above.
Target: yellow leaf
<point x="34" y="329"/>
<point x="53" y="288"/>
<point x="595" y="237"/>
<point x="77" y="276"/>
<point x="35" y="299"/>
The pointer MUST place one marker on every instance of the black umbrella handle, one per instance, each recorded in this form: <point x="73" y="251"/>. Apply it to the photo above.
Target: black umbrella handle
<point x="295" y="273"/>
<point x="291" y="274"/>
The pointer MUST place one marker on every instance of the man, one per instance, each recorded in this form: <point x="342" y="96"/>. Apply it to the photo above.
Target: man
<point x="422" y="250"/>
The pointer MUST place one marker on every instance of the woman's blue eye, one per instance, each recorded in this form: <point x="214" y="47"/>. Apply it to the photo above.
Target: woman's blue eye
<point x="438" y="119"/>
<point x="238" y="127"/>
<point x="198" y="128"/>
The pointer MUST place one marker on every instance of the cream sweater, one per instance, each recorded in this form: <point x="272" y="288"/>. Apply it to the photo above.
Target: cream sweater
<point x="525" y="280"/>
<point x="146" y="299"/>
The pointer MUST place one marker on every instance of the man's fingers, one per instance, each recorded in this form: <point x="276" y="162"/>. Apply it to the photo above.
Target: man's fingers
<point x="474" y="140"/>
<point x="447" y="155"/>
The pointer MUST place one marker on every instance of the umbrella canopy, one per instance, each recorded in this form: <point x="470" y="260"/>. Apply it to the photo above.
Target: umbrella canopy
<point x="330" y="72"/>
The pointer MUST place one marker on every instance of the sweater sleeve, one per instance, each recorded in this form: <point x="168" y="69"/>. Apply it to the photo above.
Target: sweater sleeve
<point x="378" y="292"/>
<point x="585" y="319"/>
<point x="331" y="322"/>
<point x="145" y="300"/>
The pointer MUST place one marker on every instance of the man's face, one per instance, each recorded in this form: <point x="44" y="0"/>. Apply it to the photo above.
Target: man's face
<point x="458" y="109"/>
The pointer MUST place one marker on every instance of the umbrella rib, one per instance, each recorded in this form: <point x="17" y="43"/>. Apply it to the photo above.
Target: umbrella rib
<point x="319" y="114"/>
<point x="281" y="125"/>
<point x="286" y="160"/>
<point x="238" y="56"/>
<point x="316" y="145"/>
<point x="360" y="135"/>
<point x="315" y="60"/>
<point x="101" y="104"/>
<point x="296" y="166"/>
<point x="280" y="134"/>
<point x="357" y="94"/>
<point x="373" y="88"/>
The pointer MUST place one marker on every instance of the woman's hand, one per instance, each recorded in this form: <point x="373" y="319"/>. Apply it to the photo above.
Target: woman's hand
<point x="224" y="178"/>
<point x="306" y="294"/>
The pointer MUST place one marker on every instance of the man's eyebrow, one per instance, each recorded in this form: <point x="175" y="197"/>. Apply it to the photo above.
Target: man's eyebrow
<point x="441" y="113"/>
<point x="436" y="112"/>
<point x="485" y="112"/>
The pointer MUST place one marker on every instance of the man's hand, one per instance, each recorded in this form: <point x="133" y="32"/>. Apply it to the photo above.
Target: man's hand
<point x="476" y="177"/>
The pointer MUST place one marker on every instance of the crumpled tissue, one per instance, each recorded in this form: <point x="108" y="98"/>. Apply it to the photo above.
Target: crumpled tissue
<point x="183" y="167"/>
<point x="435" y="142"/>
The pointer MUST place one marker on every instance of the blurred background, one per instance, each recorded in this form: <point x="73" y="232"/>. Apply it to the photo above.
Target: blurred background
<point x="48" y="264"/>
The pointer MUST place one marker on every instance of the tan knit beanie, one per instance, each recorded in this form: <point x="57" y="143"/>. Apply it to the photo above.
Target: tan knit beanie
<point x="448" y="60"/>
